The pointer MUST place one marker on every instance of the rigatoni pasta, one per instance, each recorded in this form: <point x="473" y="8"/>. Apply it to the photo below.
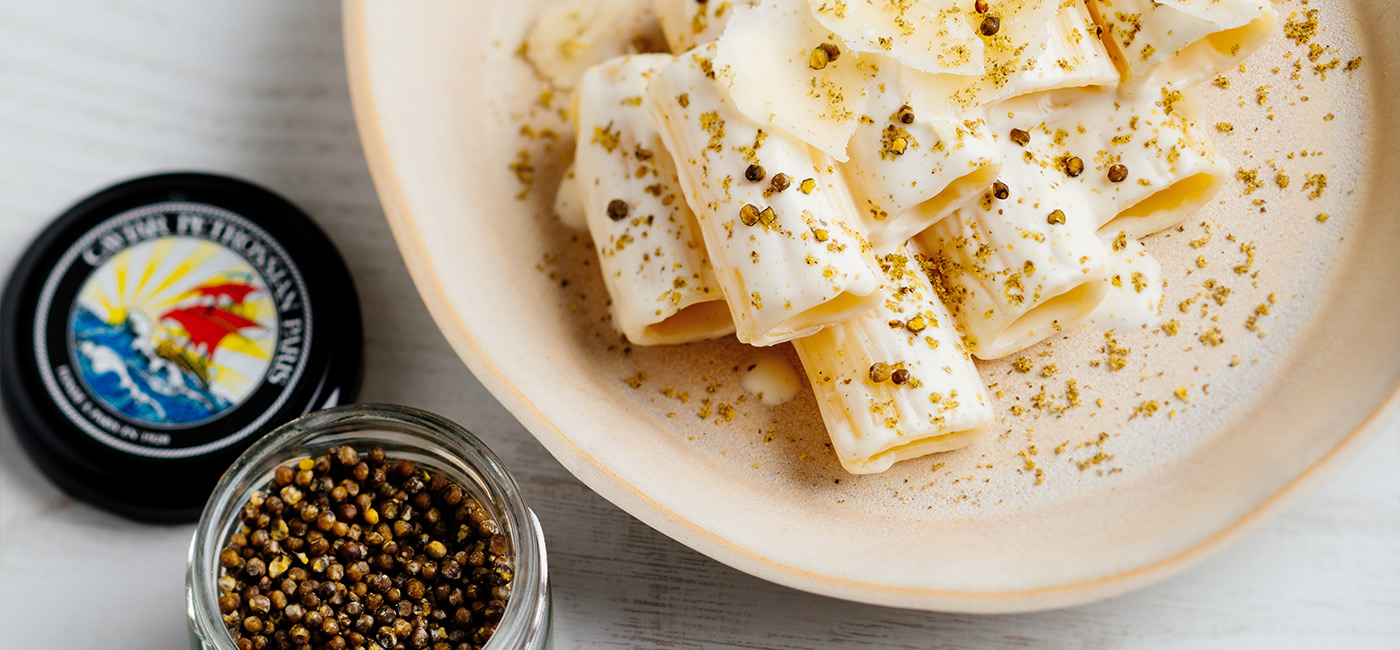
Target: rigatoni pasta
<point x="1148" y="163"/>
<point x="896" y="383"/>
<point x="1022" y="264"/>
<point x="1038" y="45"/>
<point x="910" y="166"/>
<point x="894" y="187"/>
<point x="778" y="221"/>
<point x="654" y="264"/>
<point x="1181" y="42"/>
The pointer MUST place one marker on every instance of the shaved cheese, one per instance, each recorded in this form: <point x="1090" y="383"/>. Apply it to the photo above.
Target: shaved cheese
<point x="934" y="36"/>
<point x="781" y="66"/>
<point x="569" y="36"/>
<point x="939" y="402"/>
<point x="688" y="23"/>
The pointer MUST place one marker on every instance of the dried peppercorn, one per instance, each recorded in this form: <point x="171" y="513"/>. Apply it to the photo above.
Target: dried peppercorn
<point x="1074" y="166"/>
<point x="980" y="6"/>
<point x="905" y="114"/>
<point x="755" y="173"/>
<point x="879" y="371"/>
<point x="1056" y="218"/>
<point x="899" y="376"/>
<point x="1117" y="173"/>
<point x="1020" y="137"/>
<point x="748" y="214"/>
<point x="322" y="570"/>
<point x="617" y="209"/>
<point x="822" y="55"/>
<point x="990" y="26"/>
<point x="781" y="181"/>
<point x="1000" y="190"/>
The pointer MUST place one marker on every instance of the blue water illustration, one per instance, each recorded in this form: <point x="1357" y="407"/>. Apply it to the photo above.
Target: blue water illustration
<point x="120" y="366"/>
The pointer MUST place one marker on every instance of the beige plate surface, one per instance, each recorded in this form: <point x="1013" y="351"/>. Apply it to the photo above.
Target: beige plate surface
<point x="1063" y="503"/>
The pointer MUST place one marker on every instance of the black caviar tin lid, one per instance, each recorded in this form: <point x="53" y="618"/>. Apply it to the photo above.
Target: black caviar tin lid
<point x="160" y="326"/>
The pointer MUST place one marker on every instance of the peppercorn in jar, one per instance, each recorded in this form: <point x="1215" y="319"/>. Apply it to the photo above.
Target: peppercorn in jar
<point x="368" y="527"/>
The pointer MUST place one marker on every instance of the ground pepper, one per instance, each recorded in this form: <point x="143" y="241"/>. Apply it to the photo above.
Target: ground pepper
<point x="358" y="551"/>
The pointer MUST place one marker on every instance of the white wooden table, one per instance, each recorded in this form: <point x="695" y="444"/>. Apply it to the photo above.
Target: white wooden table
<point x="96" y="91"/>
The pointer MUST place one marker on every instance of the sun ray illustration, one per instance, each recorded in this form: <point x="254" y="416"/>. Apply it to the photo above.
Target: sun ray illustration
<point x="121" y="268"/>
<point x="136" y="261"/>
<point x="199" y="274"/>
<point x="182" y="277"/>
<point x="158" y="251"/>
<point x="196" y="330"/>
<point x="258" y="348"/>
<point x="164" y="269"/>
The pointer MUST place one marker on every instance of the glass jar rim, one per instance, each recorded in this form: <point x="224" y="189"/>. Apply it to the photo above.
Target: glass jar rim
<point x="526" y="618"/>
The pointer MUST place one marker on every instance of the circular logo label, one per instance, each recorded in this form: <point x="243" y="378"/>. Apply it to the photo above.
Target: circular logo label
<point x="172" y="330"/>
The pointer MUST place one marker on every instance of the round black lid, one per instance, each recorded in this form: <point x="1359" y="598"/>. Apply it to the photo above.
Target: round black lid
<point x="160" y="326"/>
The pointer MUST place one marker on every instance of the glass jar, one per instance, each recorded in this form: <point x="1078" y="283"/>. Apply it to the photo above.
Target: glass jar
<point x="428" y="440"/>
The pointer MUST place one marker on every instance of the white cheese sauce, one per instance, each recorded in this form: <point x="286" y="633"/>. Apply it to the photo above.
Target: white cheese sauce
<point x="770" y="377"/>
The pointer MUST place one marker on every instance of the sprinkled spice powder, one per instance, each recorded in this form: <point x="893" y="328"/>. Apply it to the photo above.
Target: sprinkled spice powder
<point x="351" y="550"/>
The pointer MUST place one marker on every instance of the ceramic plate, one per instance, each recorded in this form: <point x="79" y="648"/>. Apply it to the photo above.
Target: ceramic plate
<point x="1280" y="351"/>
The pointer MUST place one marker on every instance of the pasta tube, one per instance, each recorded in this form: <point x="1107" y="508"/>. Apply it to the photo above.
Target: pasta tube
<point x="781" y="66"/>
<point x="896" y="382"/>
<point x="1181" y="42"/>
<point x="1039" y="45"/>
<point x="1018" y="269"/>
<point x="911" y="167"/>
<point x="569" y="36"/>
<point x="688" y="23"/>
<point x="778" y="220"/>
<point x="933" y="36"/>
<point x="662" y="286"/>
<point x="1135" y="288"/>
<point x="1148" y="164"/>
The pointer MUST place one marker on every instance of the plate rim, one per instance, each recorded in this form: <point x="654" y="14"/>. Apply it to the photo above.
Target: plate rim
<point x="634" y="502"/>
